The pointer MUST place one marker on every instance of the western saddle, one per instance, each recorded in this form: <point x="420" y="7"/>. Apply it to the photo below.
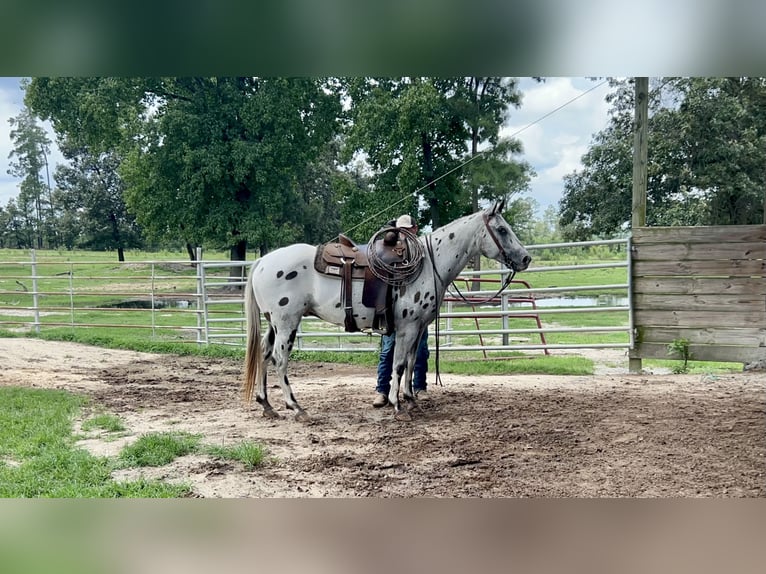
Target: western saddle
<point x="349" y="261"/>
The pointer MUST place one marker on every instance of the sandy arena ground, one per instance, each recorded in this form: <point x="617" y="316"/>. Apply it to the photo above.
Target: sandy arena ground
<point x="607" y="435"/>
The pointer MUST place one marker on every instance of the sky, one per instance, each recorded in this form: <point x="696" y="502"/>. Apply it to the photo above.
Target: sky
<point x="553" y="145"/>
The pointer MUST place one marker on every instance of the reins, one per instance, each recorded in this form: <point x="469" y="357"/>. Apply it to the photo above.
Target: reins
<point x="506" y="282"/>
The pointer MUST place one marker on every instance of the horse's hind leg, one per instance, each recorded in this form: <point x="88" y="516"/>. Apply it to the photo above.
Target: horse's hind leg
<point x="268" y="357"/>
<point x="282" y="348"/>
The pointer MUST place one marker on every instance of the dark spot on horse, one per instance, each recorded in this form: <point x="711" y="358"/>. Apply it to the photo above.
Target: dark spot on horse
<point x="282" y="346"/>
<point x="400" y="370"/>
<point x="356" y="315"/>
<point x="305" y="267"/>
<point x="433" y="297"/>
<point x="280" y="273"/>
<point x="337" y="305"/>
<point x="404" y="314"/>
<point x="291" y="338"/>
<point x="272" y="336"/>
<point x="426" y="295"/>
<point x="452" y="236"/>
<point x="291" y="275"/>
<point x="283" y="301"/>
<point x="402" y="290"/>
<point x="396" y="298"/>
<point x="425" y="305"/>
<point x="417" y="297"/>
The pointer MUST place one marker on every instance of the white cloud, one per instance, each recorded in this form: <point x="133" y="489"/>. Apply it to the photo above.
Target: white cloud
<point x="553" y="144"/>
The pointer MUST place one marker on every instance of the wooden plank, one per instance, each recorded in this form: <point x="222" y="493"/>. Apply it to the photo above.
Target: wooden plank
<point x="700" y="285"/>
<point x="747" y="337"/>
<point x="699" y="234"/>
<point x="698" y="251"/>
<point x="732" y="268"/>
<point x="721" y="353"/>
<point x="702" y="319"/>
<point x="707" y="302"/>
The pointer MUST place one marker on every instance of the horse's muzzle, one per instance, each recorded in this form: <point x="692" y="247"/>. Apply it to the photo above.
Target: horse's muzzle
<point x="520" y="266"/>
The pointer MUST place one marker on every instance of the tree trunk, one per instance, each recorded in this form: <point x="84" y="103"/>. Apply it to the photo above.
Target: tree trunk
<point x="116" y="238"/>
<point x="191" y="252"/>
<point x="475" y="263"/>
<point x="428" y="172"/>
<point x="238" y="252"/>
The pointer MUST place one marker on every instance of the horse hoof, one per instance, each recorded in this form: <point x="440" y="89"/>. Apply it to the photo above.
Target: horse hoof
<point x="270" y="414"/>
<point x="302" y="416"/>
<point x="403" y="415"/>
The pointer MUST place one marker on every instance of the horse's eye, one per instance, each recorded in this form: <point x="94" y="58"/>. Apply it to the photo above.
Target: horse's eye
<point x="502" y="231"/>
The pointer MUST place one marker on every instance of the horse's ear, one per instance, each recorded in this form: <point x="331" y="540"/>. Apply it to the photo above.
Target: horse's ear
<point x="498" y="207"/>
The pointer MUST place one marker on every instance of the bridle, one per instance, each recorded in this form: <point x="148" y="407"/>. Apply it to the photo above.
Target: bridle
<point x="509" y="277"/>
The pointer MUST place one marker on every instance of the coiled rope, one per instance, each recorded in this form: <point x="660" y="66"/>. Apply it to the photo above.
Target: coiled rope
<point x="396" y="273"/>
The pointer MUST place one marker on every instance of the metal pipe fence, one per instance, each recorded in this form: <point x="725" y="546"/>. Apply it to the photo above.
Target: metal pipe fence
<point x="202" y="303"/>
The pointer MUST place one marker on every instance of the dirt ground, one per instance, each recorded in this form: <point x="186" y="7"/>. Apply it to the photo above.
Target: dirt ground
<point x="608" y="435"/>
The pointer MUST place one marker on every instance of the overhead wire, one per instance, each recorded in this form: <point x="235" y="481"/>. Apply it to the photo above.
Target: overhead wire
<point x="473" y="157"/>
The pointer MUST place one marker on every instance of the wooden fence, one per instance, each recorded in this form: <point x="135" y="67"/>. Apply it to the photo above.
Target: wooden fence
<point x="702" y="284"/>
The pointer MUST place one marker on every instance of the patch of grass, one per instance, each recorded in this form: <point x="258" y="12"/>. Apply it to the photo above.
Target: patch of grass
<point x="365" y="359"/>
<point x="249" y="453"/>
<point x="104" y="421"/>
<point x="37" y="443"/>
<point x="546" y="365"/>
<point x="158" y="449"/>
<point x="694" y="367"/>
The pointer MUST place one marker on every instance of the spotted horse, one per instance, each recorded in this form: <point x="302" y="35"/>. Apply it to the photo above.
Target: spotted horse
<point x="284" y="287"/>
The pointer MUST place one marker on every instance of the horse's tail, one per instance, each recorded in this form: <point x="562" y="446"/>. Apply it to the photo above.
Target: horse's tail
<point x="253" y="353"/>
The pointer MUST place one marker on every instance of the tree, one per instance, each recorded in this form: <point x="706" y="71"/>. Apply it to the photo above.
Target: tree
<point x="415" y="134"/>
<point x="30" y="162"/>
<point x="90" y="191"/>
<point x="707" y="149"/>
<point x="213" y="160"/>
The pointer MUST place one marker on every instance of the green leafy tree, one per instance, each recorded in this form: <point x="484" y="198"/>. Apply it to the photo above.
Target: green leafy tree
<point x="218" y="161"/>
<point x="417" y="134"/>
<point x="29" y="161"/>
<point x="707" y="148"/>
<point x="18" y="229"/>
<point x="90" y="192"/>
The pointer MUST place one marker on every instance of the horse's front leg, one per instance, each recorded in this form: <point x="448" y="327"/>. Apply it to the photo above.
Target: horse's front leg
<point x="403" y="367"/>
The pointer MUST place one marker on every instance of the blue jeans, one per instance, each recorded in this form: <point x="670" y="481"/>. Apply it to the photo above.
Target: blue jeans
<point x="386" y="364"/>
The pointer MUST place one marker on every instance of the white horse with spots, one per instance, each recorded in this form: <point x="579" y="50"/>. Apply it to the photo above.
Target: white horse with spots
<point x="284" y="286"/>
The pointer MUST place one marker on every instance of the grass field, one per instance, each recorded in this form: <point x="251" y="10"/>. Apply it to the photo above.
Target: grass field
<point x="39" y="457"/>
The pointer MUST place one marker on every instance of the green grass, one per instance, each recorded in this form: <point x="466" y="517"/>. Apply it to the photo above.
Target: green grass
<point x="544" y="365"/>
<point x="693" y="367"/>
<point x="159" y="449"/>
<point x="38" y="457"/>
<point x="104" y="421"/>
<point x="248" y="453"/>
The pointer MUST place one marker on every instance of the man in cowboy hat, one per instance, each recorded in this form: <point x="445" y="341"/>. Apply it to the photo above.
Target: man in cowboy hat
<point x="386" y="361"/>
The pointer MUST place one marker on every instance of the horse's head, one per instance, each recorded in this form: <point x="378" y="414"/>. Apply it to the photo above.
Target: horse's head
<point x="499" y="242"/>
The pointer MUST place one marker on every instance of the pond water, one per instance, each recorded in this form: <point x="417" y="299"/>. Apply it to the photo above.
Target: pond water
<point x="581" y="301"/>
